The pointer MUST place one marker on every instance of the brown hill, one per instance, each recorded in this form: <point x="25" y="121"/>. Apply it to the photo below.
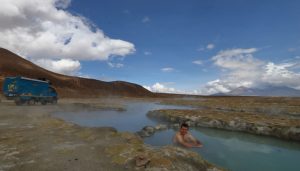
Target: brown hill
<point x="67" y="86"/>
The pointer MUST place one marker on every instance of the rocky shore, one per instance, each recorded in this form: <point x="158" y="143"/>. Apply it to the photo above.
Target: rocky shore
<point x="30" y="139"/>
<point x="276" y="126"/>
<point x="132" y="153"/>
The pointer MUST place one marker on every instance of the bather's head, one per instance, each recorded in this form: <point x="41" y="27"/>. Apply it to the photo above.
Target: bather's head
<point x="184" y="127"/>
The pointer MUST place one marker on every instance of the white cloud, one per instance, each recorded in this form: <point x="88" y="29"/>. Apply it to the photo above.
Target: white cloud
<point x="161" y="88"/>
<point x="168" y="69"/>
<point x="62" y="66"/>
<point x="234" y="59"/>
<point x="235" y="52"/>
<point x="146" y="19"/>
<point x="239" y="64"/>
<point x="201" y="49"/>
<point x="45" y="30"/>
<point x="157" y="87"/>
<point x="83" y="75"/>
<point x="210" y="46"/>
<point x="241" y="69"/>
<point x="165" y="88"/>
<point x="217" y="86"/>
<point x="147" y="53"/>
<point x="198" y="62"/>
<point x="223" y="86"/>
<point x="280" y="75"/>
<point x="115" y="65"/>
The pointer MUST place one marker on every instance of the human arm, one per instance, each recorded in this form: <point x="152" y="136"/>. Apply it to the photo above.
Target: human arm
<point x="192" y="140"/>
<point x="179" y="139"/>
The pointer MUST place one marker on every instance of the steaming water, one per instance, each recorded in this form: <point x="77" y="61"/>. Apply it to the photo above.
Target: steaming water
<point x="133" y="119"/>
<point x="232" y="150"/>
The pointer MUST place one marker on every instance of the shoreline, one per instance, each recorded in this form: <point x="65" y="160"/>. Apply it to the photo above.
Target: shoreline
<point x="266" y="125"/>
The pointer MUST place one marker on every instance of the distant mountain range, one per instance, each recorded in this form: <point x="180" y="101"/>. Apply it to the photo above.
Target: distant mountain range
<point x="266" y="91"/>
<point x="67" y="86"/>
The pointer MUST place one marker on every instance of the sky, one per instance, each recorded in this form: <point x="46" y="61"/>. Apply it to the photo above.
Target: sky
<point x="174" y="46"/>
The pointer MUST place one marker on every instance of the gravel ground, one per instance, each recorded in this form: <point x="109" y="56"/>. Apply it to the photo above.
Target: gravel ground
<point x="31" y="140"/>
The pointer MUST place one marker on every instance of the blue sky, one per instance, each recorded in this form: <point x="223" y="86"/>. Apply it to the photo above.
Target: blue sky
<point x="193" y="46"/>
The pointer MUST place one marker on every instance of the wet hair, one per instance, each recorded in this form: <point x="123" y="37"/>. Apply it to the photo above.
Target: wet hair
<point x="184" y="125"/>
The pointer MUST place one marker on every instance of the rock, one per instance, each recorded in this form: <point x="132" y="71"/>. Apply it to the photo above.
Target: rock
<point x="260" y="130"/>
<point x="176" y="125"/>
<point x="214" y="123"/>
<point x="149" y="129"/>
<point x="143" y="134"/>
<point x="172" y="119"/>
<point x="142" y="157"/>
<point x="141" y="161"/>
<point x="276" y="126"/>
<point x="294" y="133"/>
<point x="193" y="118"/>
<point x="190" y="123"/>
<point x="161" y="127"/>
<point x="232" y="124"/>
<point x="241" y="125"/>
<point x="199" y="124"/>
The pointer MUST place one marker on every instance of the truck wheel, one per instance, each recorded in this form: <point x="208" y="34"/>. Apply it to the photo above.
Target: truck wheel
<point x="54" y="101"/>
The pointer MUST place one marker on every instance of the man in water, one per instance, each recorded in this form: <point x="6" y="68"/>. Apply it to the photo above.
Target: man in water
<point x="184" y="138"/>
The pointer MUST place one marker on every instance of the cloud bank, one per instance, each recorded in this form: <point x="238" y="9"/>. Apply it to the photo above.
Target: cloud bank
<point x="241" y="68"/>
<point x="160" y="88"/>
<point x="165" y="88"/>
<point x="44" y="31"/>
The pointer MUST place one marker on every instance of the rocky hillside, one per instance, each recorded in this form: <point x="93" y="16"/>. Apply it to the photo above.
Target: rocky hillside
<point x="67" y="86"/>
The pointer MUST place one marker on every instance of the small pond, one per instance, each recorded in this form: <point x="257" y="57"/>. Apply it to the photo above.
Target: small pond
<point x="132" y="119"/>
<point x="235" y="151"/>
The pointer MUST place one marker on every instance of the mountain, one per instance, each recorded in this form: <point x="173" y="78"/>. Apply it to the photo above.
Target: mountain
<point x="266" y="91"/>
<point x="244" y="91"/>
<point x="67" y="86"/>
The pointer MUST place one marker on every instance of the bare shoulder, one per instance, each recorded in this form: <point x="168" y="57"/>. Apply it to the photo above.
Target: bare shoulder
<point x="178" y="137"/>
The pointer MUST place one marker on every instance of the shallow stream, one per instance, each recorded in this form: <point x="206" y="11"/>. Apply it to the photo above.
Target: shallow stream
<point x="235" y="151"/>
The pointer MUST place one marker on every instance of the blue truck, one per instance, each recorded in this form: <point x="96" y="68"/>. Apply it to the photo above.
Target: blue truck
<point x="29" y="91"/>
